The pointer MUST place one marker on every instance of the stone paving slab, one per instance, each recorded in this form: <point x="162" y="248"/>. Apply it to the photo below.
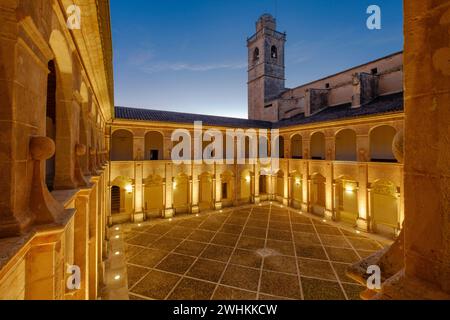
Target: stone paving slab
<point x="265" y="252"/>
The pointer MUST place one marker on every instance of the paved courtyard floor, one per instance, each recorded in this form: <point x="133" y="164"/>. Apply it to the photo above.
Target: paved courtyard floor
<point x="254" y="253"/>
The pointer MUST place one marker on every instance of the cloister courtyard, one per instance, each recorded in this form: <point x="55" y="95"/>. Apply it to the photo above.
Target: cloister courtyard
<point x="252" y="252"/>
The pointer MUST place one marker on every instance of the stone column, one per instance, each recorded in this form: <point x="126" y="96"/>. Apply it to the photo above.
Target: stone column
<point x="168" y="192"/>
<point x="138" y="192"/>
<point x="81" y="234"/>
<point x="195" y="193"/>
<point x="362" y="222"/>
<point x="138" y="146"/>
<point x="427" y="145"/>
<point x="336" y="215"/>
<point x="305" y="186"/>
<point x="286" y="180"/>
<point x="257" y="198"/>
<point x="330" y="147"/>
<point x="218" y="192"/>
<point x="329" y="191"/>
<point x="363" y="147"/>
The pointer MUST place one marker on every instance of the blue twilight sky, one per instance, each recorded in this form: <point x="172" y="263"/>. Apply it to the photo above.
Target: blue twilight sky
<point x="191" y="55"/>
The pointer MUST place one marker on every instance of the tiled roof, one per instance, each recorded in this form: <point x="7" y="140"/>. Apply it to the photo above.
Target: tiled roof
<point x="382" y="105"/>
<point x="178" y="117"/>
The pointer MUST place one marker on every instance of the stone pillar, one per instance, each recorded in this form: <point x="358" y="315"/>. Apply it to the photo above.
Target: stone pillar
<point x="308" y="203"/>
<point x="362" y="222"/>
<point x="237" y="185"/>
<point x="138" y="192"/>
<point x="286" y="180"/>
<point x="257" y="198"/>
<point x="287" y="146"/>
<point x="168" y="192"/>
<point x="93" y="234"/>
<point x="305" y="186"/>
<point x="218" y="192"/>
<point x="168" y="145"/>
<point x="329" y="200"/>
<point x="306" y="143"/>
<point x="81" y="234"/>
<point x="138" y="146"/>
<point x="195" y="192"/>
<point x="427" y="156"/>
<point x="330" y="147"/>
<point x="363" y="147"/>
<point x="336" y="215"/>
<point x="290" y="197"/>
<point x="65" y="137"/>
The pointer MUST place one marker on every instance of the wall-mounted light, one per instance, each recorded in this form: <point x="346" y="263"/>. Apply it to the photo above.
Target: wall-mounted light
<point x="349" y="189"/>
<point x="129" y="188"/>
<point x="298" y="181"/>
<point x="174" y="185"/>
<point x="248" y="179"/>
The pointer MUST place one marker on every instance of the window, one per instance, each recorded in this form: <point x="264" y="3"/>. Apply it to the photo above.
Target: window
<point x="274" y="52"/>
<point x="374" y="71"/>
<point x="224" y="190"/>
<point x="256" y="55"/>
<point x="327" y="85"/>
<point x="154" y="155"/>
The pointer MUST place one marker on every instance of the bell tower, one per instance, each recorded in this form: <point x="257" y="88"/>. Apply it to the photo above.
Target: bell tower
<point x="266" y="71"/>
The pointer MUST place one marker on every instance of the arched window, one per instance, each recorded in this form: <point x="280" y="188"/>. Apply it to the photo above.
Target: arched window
<point x="346" y="145"/>
<point x="256" y="54"/>
<point x="51" y="122"/>
<point x="154" y="146"/>
<point x="274" y="52"/>
<point x="122" y="146"/>
<point x="381" y="139"/>
<point x="297" y="147"/>
<point x="318" y="146"/>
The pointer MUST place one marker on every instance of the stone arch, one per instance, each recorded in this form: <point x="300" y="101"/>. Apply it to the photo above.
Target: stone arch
<point x="122" y="145"/>
<point x="345" y="145"/>
<point x="317" y="147"/>
<point x="381" y="141"/>
<point x="297" y="146"/>
<point x="384" y="209"/>
<point x="154" y="146"/>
